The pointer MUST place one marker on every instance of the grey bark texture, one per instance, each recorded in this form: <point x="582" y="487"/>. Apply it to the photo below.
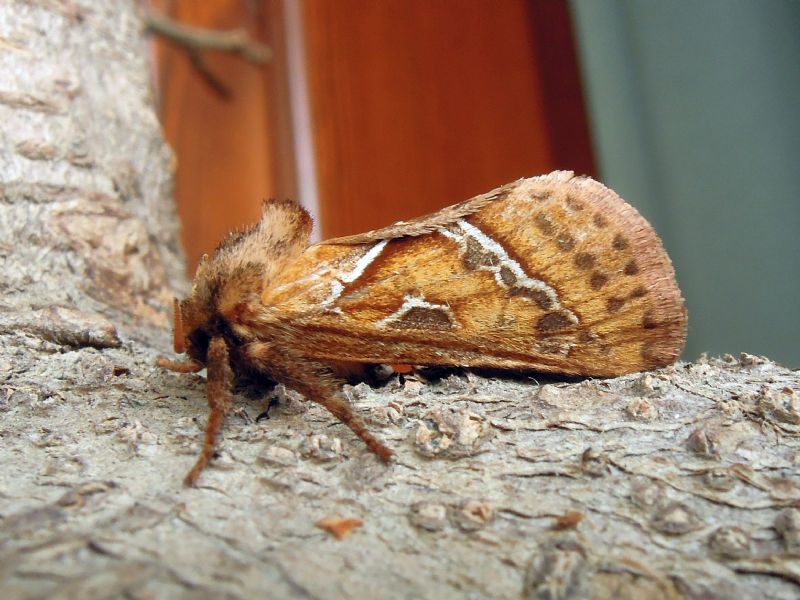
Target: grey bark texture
<point x="677" y="483"/>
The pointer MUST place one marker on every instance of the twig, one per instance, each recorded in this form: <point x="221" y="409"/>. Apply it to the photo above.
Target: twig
<point x="211" y="80"/>
<point x="196" y="39"/>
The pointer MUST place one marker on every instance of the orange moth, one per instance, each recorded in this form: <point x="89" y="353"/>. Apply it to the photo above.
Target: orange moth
<point x="553" y="273"/>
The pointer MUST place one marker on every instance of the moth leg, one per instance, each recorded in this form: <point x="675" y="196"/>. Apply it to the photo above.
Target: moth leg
<point x="316" y="382"/>
<point x="189" y="366"/>
<point x="331" y="398"/>
<point x="220" y="399"/>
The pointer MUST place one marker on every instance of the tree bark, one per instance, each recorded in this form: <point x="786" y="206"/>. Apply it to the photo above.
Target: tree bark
<point x="677" y="483"/>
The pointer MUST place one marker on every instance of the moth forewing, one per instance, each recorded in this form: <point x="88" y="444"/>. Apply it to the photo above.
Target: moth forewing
<point x="553" y="273"/>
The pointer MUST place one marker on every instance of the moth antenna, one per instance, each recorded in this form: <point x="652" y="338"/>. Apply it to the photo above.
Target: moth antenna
<point x="220" y="379"/>
<point x="178" y="341"/>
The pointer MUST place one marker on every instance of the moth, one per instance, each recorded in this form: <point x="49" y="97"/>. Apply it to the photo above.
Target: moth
<point x="554" y="273"/>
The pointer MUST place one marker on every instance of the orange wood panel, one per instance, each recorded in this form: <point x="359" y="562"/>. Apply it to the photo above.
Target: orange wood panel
<point x="418" y="104"/>
<point x="557" y="62"/>
<point x="231" y="147"/>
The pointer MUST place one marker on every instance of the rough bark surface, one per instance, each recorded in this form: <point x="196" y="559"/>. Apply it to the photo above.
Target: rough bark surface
<point x="678" y="483"/>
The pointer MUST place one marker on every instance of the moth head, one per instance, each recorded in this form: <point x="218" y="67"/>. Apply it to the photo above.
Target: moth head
<point x="243" y="263"/>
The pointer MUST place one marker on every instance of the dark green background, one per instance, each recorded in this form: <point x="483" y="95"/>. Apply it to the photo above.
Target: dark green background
<point x="694" y="114"/>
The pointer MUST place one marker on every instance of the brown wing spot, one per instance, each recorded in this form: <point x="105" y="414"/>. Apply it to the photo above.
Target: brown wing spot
<point x="553" y="321"/>
<point x="423" y="317"/>
<point x="475" y="256"/>
<point x="573" y="203"/>
<point x="632" y="268"/>
<point x="639" y="292"/>
<point x="614" y="304"/>
<point x="584" y="260"/>
<point x="545" y="224"/>
<point x="598" y="280"/>
<point x="659" y="352"/>
<point x="507" y="276"/>
<point x="540" y="196"/>
<point x="649" y="321"/>
<point x="653" y="354"/>
<point x="542" y="299"/>
<point x="566" y="242"/>
<point x="600" y="220"/>
<point x="620" y="243"/>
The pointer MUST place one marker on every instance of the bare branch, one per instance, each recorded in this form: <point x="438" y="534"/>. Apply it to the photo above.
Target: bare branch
<point x="196" y="39"/>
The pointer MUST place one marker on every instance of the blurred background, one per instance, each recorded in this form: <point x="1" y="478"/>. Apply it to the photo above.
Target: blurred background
<point x="372" y="111"/>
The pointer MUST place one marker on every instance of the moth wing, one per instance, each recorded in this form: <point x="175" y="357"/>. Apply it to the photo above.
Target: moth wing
<point x="553" y="273"/>
<point x="433" y="221"/>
